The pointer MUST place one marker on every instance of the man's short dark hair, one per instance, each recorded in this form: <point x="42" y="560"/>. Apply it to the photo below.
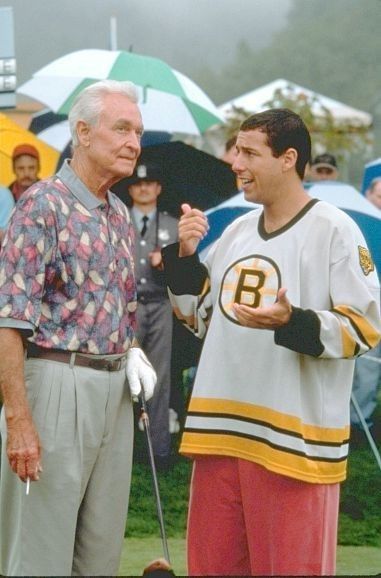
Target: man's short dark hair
<point x="284" y="129"/>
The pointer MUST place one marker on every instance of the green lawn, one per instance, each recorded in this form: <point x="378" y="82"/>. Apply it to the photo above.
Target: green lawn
<point x="139" y="552"/>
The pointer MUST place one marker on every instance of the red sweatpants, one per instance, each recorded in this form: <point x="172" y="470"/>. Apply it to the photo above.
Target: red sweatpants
<point x="247" y="521"/>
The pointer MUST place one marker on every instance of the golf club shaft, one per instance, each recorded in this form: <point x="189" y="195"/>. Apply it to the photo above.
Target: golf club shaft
<point x="145" y="420"/>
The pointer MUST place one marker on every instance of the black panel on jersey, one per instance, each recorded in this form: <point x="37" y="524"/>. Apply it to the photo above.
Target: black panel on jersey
<point x="302" y="333"/>
<point x="184" y="275"/>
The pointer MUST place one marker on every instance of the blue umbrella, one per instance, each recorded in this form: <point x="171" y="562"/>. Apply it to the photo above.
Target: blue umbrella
<point x="342" y="195"/>
<point x="371" y="171"/>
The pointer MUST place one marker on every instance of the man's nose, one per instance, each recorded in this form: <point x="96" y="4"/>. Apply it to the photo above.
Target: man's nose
<point x="134" y="141"/>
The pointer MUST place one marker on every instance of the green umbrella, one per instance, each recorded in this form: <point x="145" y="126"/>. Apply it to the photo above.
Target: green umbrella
<point x="162" y="89"/>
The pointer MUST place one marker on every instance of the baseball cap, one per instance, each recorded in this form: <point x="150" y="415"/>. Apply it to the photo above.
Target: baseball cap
<point x="145" y="172"/>
<point x="25" y="149"/>
<point x="325" y="160"/>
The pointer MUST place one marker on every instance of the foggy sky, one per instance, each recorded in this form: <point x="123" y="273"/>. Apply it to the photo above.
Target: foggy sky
<point x="185" y="33"/>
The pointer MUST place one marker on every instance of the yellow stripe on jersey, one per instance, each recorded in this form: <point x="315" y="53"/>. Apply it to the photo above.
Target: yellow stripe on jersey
<point x="349" y="344"/>
<point x="278" y="461"/>
<point x="206" y="288"/>
<point x="280" y="420"/>
<point x="367" y="333"/>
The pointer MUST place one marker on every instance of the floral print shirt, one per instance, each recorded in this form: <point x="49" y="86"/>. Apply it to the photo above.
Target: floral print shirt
<point x="66" y="268"/>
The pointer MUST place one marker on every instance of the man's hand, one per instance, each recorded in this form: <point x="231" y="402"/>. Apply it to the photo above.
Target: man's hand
<point x="193" y="226"/>
<point x="140" y="373"/>
<point x="23" y="444"/>
<point x="23" y="448"/>
<point x="269" y="317"/>
<point x="156" y="259"/>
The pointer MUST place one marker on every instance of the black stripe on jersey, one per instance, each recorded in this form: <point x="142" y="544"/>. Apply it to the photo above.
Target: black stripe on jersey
<point x="266" y="442"/>
<point x="266" y="424"/>
<point x="356" y="328"/>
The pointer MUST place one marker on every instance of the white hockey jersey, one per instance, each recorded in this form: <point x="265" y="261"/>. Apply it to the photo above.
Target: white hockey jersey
<point x="279" y="398"/>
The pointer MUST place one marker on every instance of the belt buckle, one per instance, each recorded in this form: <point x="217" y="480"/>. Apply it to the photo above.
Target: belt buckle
<point x="105" y="364"/>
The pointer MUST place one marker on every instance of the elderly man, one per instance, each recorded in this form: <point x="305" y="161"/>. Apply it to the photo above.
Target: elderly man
<point x="67" y="306"/>
<point x="287" y="297"/>
<point x="25" y="164"/>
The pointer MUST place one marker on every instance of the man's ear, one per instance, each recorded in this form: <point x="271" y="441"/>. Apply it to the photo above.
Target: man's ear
<point x="83" y="132"/>
<point x="290" y="156"/>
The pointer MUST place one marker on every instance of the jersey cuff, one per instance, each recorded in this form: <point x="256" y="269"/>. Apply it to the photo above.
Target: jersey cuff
<point x="302" y="333"/>
<point x="184" y="275"/>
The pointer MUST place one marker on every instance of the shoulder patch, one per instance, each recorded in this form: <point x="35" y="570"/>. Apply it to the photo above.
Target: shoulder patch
<point x="366" y="261"/>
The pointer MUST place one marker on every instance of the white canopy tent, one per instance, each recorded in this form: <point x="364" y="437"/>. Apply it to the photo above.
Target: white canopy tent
<point x="255" y="101"/>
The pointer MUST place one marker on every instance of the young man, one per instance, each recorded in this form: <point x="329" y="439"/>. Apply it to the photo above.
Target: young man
<point x="153" y="231"/>
<point x="26" y="164"/>
<point x="67" y="344"/>
<point x="288" y="296"/>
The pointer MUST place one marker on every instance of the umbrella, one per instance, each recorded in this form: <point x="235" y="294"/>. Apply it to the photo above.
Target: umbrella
<point x="371" y="171"/>
<point x="164" y="93"/>
<point x="339" y="194"/>
<point x="11" y="135"/>
<point x="189" y="176"/>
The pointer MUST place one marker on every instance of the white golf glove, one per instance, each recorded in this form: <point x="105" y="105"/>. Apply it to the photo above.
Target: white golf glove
<point x="140" y="373"/>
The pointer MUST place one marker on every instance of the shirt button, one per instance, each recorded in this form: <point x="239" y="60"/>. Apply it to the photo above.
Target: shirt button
<point x="143" y="280"/>
<point x="143" y="243"/>
<point x="143" y="261"/>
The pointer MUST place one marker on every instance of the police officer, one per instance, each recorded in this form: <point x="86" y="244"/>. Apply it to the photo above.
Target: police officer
<point x="153" y="230"/>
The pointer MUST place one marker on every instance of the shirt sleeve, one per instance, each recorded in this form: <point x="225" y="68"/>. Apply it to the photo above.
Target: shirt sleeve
<point x="188" y="288"/>
<point x="28" y="247"/>
<point x="351" y="326"/>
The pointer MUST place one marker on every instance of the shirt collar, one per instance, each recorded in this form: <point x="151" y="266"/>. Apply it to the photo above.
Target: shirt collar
<point x="79" y="189"/>
<point x="138" y="215"/>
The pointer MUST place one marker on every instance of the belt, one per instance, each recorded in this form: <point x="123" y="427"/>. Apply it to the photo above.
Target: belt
<point x="106" y="363"/>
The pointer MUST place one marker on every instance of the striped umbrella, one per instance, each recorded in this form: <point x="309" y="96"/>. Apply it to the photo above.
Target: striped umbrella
<point x="163" y="91"/>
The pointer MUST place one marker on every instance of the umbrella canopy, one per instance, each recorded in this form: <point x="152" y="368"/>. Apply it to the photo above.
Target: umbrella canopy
<point x="163" y="91"/>
<point x="189" y="176"/>
<point x="339" y="194"/>
<point x="11" y="135"/>
<point x="372" y="170"/>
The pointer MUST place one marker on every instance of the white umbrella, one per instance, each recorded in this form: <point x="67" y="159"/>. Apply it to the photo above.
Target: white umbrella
<point x="169" y="100"/>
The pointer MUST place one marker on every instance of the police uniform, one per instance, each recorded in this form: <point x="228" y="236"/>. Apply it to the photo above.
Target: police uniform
<point x="155" y="317"/>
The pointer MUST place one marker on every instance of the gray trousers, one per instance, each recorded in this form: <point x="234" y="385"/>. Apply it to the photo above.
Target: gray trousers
<point x="154" y="332"/>
<point x="73" y="520"/>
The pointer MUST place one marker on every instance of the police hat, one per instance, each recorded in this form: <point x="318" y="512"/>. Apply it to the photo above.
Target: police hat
<point x="145" y="172"/>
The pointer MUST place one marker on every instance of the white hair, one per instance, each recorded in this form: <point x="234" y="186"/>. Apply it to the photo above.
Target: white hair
<point x="88" y="104"/>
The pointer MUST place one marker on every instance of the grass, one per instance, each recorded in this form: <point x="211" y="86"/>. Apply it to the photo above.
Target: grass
<point x="139" y="552"/>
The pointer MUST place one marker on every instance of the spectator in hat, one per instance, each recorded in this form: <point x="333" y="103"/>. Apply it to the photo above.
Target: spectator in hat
<point x="154" y="230"/>
<point x="25" y="164"/>
<point x="324" y="168"/>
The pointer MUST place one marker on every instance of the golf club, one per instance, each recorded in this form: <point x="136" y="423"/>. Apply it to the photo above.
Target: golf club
<point x="145" y="421"/>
